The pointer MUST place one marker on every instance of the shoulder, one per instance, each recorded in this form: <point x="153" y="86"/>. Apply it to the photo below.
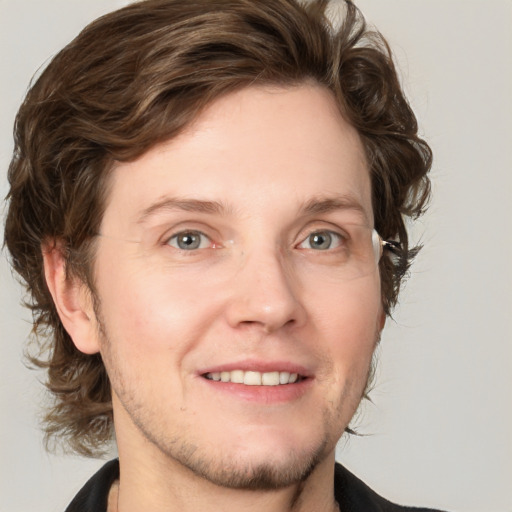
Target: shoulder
<point x="353" y="495"/>
<point x="93" y="496"/>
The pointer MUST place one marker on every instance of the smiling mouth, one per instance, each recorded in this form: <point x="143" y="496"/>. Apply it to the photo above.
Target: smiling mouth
<point x="251" y="378"/>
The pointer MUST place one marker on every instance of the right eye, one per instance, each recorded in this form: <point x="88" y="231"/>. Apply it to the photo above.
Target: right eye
<point x="190" y="241"/>
<point x="322" y="240"/>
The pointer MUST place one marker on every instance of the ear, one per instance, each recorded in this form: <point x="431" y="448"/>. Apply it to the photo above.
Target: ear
<point x="72" y="300"/>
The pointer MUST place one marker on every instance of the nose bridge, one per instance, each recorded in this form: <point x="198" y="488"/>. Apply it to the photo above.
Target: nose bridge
<point x="266" y="290"/>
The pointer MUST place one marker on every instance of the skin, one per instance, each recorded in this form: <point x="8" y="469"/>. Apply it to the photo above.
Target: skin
<point x="254" y="295"/>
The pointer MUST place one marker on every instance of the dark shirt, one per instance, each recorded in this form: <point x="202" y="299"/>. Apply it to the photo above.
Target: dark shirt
<point x="351" y="493"/>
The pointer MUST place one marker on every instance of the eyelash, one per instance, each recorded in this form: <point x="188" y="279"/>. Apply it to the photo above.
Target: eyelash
<point x="191" y="233"/>
<point x="332" y="236"/>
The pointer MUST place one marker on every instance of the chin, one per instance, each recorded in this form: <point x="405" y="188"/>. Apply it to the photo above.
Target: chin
<point x="238" y="473"/>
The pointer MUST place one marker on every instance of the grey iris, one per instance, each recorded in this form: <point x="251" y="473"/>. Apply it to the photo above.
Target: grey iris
<point x="321" y="240"/>
<point x="188" y="241"/>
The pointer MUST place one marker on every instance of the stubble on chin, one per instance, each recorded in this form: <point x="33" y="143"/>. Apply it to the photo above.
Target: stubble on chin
<point x="224" y="470"/>
<point x="244" y="475"/>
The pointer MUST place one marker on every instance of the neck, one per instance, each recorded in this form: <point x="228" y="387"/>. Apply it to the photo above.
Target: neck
<point x="154" y="480"/>
<point x="170" y="487"/>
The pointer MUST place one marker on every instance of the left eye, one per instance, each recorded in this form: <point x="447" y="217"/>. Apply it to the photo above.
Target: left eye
<point x="189" y="241"/>
<point x="321" y="241"/>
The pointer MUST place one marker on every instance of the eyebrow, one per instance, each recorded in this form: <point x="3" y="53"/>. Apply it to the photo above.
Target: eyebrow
<point x="315" y="205"/>
<point x="328" y="204"/>
<point x="187" y="205"/>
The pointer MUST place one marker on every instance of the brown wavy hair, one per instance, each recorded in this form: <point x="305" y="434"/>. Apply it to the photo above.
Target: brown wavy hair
<point x="139" y="76"/>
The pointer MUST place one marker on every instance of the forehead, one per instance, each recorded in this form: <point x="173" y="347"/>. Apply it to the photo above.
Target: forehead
<point x="258" y="148"/>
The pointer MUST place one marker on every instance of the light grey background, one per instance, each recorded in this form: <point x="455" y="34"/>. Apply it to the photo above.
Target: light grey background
<point x="439" y="428"/>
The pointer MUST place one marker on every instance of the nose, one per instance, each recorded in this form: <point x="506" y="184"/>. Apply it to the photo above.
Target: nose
<point x="266" y="294"/>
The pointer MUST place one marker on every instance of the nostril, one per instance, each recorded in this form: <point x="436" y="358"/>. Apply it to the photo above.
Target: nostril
<point x="265" y="326"/>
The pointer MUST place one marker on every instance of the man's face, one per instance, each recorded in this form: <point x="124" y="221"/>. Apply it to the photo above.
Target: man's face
<point x="206" y="270"/>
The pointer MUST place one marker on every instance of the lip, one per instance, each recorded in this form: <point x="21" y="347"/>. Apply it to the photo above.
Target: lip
<point x="258" y="366"/>
<point x="267" y="395"/>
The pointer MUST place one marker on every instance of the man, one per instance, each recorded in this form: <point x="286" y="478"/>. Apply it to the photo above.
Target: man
<point x="207" y="205"/>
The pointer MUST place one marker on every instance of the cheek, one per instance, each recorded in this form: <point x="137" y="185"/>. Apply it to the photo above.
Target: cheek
<point x="348" y="318"/>
<point x="353" y="304"/>
<point x="145" y="314"/>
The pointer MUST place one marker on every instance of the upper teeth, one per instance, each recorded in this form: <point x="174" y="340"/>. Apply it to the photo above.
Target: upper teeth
<point x="251" y="378"/>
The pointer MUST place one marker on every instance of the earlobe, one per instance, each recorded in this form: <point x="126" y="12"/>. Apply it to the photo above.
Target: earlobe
<point x="72" y="300"/>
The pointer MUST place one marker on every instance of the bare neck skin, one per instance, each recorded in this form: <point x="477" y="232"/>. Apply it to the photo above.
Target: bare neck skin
<point x="173" y="488"/>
